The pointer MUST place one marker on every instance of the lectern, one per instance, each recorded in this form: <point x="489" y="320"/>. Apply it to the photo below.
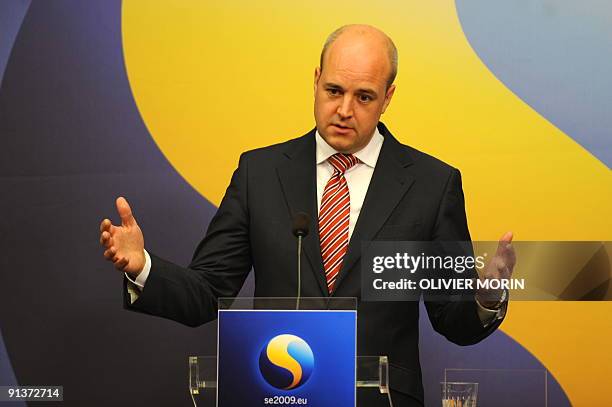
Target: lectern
<point x="286" y="352"/>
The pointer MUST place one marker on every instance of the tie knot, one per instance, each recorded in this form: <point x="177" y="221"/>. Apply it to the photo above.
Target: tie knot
<point x="342" y="162"/>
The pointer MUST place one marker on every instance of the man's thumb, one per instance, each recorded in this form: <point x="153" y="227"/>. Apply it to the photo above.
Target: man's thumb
<point x="125" y="212"/>
<point x="503" y="243"/>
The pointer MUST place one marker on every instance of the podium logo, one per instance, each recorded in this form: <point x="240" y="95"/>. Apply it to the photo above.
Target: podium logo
<point x="286" y="362"/>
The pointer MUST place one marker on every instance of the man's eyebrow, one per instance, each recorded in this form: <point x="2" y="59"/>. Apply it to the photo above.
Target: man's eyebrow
<point x="367" y="91"/>
<point x="333" y="85"/>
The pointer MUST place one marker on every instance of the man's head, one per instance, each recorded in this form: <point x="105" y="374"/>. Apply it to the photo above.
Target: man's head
<point x="353" y="85"/>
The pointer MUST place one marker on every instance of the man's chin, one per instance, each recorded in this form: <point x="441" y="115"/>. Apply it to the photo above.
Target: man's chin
<point x="342" y="145"/>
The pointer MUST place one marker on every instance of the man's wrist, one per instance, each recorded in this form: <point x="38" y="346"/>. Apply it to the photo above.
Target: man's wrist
<point x="142" y="275"/>
<point x="491" y="302"/>
<point x="133" y="275"/>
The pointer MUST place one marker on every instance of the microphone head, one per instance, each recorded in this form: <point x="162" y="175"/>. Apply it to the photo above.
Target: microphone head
<point x="301" y="222"/>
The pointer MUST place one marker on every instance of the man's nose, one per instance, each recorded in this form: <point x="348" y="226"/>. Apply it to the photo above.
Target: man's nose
<point x="345" y="109"/>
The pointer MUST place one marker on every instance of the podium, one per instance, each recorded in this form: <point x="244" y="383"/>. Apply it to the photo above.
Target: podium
<point x="287" y="351"/>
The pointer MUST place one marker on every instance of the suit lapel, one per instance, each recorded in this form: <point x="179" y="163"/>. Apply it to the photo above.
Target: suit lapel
<point x="390" y="181"/>
<point x="298" y="178"/>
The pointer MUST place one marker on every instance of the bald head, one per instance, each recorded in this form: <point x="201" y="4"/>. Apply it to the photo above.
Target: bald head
<point x="365" y="36"/>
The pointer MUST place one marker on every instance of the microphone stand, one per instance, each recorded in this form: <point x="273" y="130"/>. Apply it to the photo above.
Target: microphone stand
<point x="300" y="230"/>
<point x="299" y="272"/>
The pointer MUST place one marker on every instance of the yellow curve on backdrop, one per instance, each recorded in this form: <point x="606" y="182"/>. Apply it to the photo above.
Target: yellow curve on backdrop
<point x="214" y="79"/>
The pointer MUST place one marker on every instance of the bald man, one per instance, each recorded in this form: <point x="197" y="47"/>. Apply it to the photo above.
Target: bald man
<point x="357" y="183"/>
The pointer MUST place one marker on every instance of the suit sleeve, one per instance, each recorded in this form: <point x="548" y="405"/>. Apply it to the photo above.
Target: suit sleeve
<point x="457" y="320"/>
<point x="220" y="264"/>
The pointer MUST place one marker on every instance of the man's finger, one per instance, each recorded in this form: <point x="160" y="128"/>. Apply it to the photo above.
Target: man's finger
<point x="510" y="257"/>
<point x="503" y="243"/>
<point x="105" y="225"/>
<point x="108" y="254"/>
<point x="121" y="263"/>
<point x="125" y="212"/>
<point x="507" y="237"/>
<point x="106" y="240"/>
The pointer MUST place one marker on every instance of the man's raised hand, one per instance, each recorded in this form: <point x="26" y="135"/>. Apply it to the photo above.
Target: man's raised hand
<point x="123" y="244"/>
<point x="500" y="267"/>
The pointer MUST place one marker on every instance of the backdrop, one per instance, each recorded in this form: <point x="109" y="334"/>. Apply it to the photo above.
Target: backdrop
<point x="155" y="100"/>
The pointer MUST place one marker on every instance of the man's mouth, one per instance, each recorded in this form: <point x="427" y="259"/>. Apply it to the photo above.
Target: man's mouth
<point x="340" y="126"/>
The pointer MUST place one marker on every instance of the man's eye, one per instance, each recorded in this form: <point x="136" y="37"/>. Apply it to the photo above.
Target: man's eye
<point x="365" y="98"/>
<point x="333" y="92"/>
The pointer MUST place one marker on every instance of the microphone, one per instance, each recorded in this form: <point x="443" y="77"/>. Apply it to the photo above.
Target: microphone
<point x="300" y="229"/>
<point x="301" y="221"/>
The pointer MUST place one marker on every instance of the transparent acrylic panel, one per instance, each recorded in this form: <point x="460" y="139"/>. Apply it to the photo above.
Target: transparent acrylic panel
<point x="373" y="371"/>
<point x="288" y="303"/>
<point x="504" y="387"/>
<point x="203" y="380"/>
<point x="372" y="375"/>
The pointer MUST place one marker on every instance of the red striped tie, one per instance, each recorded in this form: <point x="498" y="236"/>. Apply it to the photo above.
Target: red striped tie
<point x="334" y="217"/>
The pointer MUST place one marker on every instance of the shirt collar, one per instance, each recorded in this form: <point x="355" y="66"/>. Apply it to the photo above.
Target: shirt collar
<point x="367" y="155"/>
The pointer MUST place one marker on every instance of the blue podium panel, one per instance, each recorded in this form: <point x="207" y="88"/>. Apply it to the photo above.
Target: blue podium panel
<point x="286" y="358"/>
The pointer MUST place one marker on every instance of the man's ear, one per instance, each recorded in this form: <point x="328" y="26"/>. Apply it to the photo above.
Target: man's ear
<point x="388" y="96"/>
<point x="317" y="75"/>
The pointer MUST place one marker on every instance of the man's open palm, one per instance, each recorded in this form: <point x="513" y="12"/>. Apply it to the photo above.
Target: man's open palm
<point x="123" y="244"/>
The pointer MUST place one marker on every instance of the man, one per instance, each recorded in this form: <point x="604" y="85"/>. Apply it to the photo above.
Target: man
<point x="357" y="183"/>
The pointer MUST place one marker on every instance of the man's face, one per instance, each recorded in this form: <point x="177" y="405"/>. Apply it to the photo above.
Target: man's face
<point x="351" y="92"/>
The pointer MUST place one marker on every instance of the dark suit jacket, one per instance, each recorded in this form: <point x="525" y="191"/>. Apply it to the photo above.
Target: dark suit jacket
<point x="412" y="196"/>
